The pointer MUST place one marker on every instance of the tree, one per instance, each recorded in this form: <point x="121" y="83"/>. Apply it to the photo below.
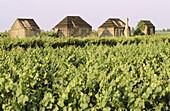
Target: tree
<point x="163" y="30"/>
<point x="141" y="25"/>
<point x="168" y="30"/>
<point x="133" y="29"/>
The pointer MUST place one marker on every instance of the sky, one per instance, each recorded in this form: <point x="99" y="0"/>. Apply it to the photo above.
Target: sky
<point x="48" y="13"/>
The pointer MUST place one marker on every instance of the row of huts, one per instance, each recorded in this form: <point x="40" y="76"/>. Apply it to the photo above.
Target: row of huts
<point x="75" y="26"/>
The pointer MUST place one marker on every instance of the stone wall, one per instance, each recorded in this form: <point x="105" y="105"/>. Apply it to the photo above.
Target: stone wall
<point x="73" y="32"/>
<point x="31" y="33"/>
<point x="119" y="32"/>
<point x="20" y="33"/>
<point x="149" y="30"/>
<point x="79" y="32"/>
<point x="111" y="32"/>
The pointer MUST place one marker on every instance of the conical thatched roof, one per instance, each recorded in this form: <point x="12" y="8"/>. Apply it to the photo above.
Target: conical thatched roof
<point x="113" y="22"/>
<point x="72" y="21"/>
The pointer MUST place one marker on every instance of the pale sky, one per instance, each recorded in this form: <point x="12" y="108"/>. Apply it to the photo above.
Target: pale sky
<point x="48" y="13"/>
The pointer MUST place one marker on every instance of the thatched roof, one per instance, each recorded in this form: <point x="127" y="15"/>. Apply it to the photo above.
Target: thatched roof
<point x="72" y="21"/>
<point x="29" y="24"/>
<point x="113" y="22"/>
<point x="148" y="23"/>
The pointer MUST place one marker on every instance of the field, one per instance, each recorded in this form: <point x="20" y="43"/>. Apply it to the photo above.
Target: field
<point x="89" y="74"/>
<point x="162" y="33"/>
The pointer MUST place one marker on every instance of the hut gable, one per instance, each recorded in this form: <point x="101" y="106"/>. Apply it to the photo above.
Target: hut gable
<point x="16" y="25"/>
<point x="24" y="28"/>
<point x="73" y="26"/>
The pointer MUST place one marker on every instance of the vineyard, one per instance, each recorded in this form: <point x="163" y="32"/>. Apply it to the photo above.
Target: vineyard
<point x="89" y="74"/>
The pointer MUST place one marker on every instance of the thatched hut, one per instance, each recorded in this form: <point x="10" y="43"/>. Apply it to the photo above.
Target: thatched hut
<point x="24" y="28"/>
<point x="149" y="27"/>
<point x="113" y="27"/>
<point x="73" y="26"/>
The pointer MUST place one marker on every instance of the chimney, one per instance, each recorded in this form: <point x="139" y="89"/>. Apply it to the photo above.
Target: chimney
<point x="127" y="31"/>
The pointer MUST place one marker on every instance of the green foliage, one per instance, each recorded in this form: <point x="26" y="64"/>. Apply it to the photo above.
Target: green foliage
<point x="4" y="34"/>
<point x="95" y="33"/>
<point x="138" y="32"/>
<point x="141" y="25"/>
<point x="168" y="30"/>
<point x="131" y="75"/>
<point x="10" y="43"/>
<point x="48" y="34"/>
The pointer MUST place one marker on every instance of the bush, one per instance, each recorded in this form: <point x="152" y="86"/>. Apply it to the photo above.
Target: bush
<point x="48" y="34"/>
<point x="4" y="34"/>
<point x="95" y="33"/>
<point x="10" y="43"/>
<point x="138" y="32"/>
